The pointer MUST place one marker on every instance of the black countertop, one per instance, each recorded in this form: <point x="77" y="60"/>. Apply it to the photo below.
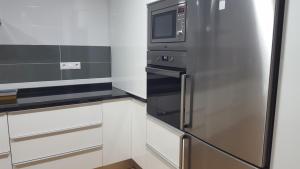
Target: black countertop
<point x="66" y="95"/>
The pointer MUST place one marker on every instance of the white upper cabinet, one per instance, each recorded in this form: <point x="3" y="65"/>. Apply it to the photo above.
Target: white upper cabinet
<point x="128" y="25"/>
<point x="116" y="131"/>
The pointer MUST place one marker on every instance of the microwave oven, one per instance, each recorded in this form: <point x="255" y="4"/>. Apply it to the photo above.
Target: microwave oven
<point x="166" y="24"/>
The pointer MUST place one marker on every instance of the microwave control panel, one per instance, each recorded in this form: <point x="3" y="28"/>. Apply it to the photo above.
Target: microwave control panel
<point x="181" y="17"/>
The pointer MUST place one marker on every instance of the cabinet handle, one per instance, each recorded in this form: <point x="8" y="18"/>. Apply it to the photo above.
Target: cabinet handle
<point x="54" y="132"/>
<point x="164" y="158"/>
<point x="53" y="157"/>
<point x="4" y="154"/>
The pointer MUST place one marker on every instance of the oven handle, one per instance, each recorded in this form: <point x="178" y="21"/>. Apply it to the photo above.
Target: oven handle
<point x="185" y="109"/>
<point x="182" y="101"/>
<point x="164" y="72"/>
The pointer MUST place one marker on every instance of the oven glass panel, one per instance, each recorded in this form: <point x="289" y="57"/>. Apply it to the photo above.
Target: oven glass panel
<point x="164" y="25"/>
<point x="164" y="94"/>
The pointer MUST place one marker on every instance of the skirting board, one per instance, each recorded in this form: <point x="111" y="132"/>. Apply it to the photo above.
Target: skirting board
<point x="127" y="164"/>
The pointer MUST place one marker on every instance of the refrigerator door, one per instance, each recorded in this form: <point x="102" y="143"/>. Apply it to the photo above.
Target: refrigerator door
<point x="203" y="156"/>
<point x="230" y="55"/>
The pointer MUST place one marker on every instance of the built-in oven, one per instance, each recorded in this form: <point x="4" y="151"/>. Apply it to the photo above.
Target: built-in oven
<point x="166" y="24"/>
<point x="166" y="85"/>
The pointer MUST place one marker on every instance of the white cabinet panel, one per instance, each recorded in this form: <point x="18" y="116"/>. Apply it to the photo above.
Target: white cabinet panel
<point x="139" y="133"/>
<point x="286" y="144"/>
<point x="155" y="162"/>
<point x="116" y="131"/>
<point x="5" y="162"/>
<point x="46" y="120"/>
<point x="128" y="23"/>
<point x="4" y="139"/>
<point x="40" y="147"/>
<point x="85" y="160"/>
<point x="165" y="140"/>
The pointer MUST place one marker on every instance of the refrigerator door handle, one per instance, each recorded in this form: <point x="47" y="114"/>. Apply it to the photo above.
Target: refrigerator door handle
<point x="185" y="153"/>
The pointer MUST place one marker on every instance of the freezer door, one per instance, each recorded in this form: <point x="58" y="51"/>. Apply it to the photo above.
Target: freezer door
<point x="203" y="156"/>
<point x="230" y="51"/>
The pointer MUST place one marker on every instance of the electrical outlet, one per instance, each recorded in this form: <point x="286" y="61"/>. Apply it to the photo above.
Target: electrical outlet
<point x="70" y="65"/>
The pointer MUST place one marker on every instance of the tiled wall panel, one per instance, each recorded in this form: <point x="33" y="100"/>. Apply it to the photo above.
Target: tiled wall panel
<point x="34" y="63"/>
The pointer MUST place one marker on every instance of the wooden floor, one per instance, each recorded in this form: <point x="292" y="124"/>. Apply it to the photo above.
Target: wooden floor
<point x="128" y="164"/>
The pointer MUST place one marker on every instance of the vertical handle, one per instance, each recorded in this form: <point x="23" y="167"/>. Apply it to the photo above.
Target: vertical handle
<point x="185" y="110"/>
<point x="182" y="106"/>
<point x="185" y="153"/>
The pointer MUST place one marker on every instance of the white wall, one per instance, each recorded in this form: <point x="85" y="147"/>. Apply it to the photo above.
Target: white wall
<point x="286" y="145"/>
<point x="54" y="22"/>
<point x="129" y="45"/>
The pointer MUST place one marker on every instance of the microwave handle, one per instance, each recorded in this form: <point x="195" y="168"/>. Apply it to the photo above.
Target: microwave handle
<point x="164" y="72"/>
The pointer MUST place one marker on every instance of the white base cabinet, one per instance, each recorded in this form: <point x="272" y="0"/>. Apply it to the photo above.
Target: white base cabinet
<point x="57" y="137"/>
<point x="88" y="136"/>
<point x="5" y="161"/>
<point x="81" y="160"/>
<point x="116" y="131"/>
<point x="164" y="141"/>
<point x="4" y="139"/>
<point x="5" y="158"/>
<point x="139" y="114"/>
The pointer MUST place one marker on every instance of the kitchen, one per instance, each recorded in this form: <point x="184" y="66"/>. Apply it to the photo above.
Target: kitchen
<point x="187" y="84"/>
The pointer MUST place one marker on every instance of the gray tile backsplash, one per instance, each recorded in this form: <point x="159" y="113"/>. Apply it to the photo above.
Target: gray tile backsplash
<point x="32" y="63"/>
<point x="29" y="73"/>
<point x="85" y="54"/>
<point x="16" y="54"/>
<point x="88" y="70"/>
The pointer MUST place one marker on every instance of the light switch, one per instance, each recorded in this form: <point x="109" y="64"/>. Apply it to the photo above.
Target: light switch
<point x="70" y="65"/>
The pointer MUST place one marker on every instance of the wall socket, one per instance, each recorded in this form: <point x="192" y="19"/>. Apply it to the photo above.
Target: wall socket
<point x="70" y="65"/>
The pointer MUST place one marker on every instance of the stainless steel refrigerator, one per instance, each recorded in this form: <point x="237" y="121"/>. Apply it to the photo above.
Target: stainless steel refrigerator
<point x="230" y="87"/>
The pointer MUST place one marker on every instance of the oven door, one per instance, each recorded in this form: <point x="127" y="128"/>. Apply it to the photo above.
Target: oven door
<point x="164" y="94"/>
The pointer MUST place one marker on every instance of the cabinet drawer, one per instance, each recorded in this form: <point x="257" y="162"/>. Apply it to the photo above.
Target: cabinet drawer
<point x="154" y="161"/>
<point x="164" y="141"/>
<point x="4" y="139"/>
<point x="44" y="120"/>
<point x="40" y="146"/>
<point x="5" y="162"/>
<point x="88" y="159"/>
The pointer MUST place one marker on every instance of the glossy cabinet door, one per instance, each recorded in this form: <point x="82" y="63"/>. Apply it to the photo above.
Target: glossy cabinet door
<point x="153" y="161"/>
<point x="5" y="161"/>
<point x="164" y="141"/>
<point x="139" y="133"/>
<point x="57" y="137"/>
<point x="85" y="160"/>
<point x="116" y="131"/>
<point x="128" y="34"/>
<point x="4" y="139"/>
